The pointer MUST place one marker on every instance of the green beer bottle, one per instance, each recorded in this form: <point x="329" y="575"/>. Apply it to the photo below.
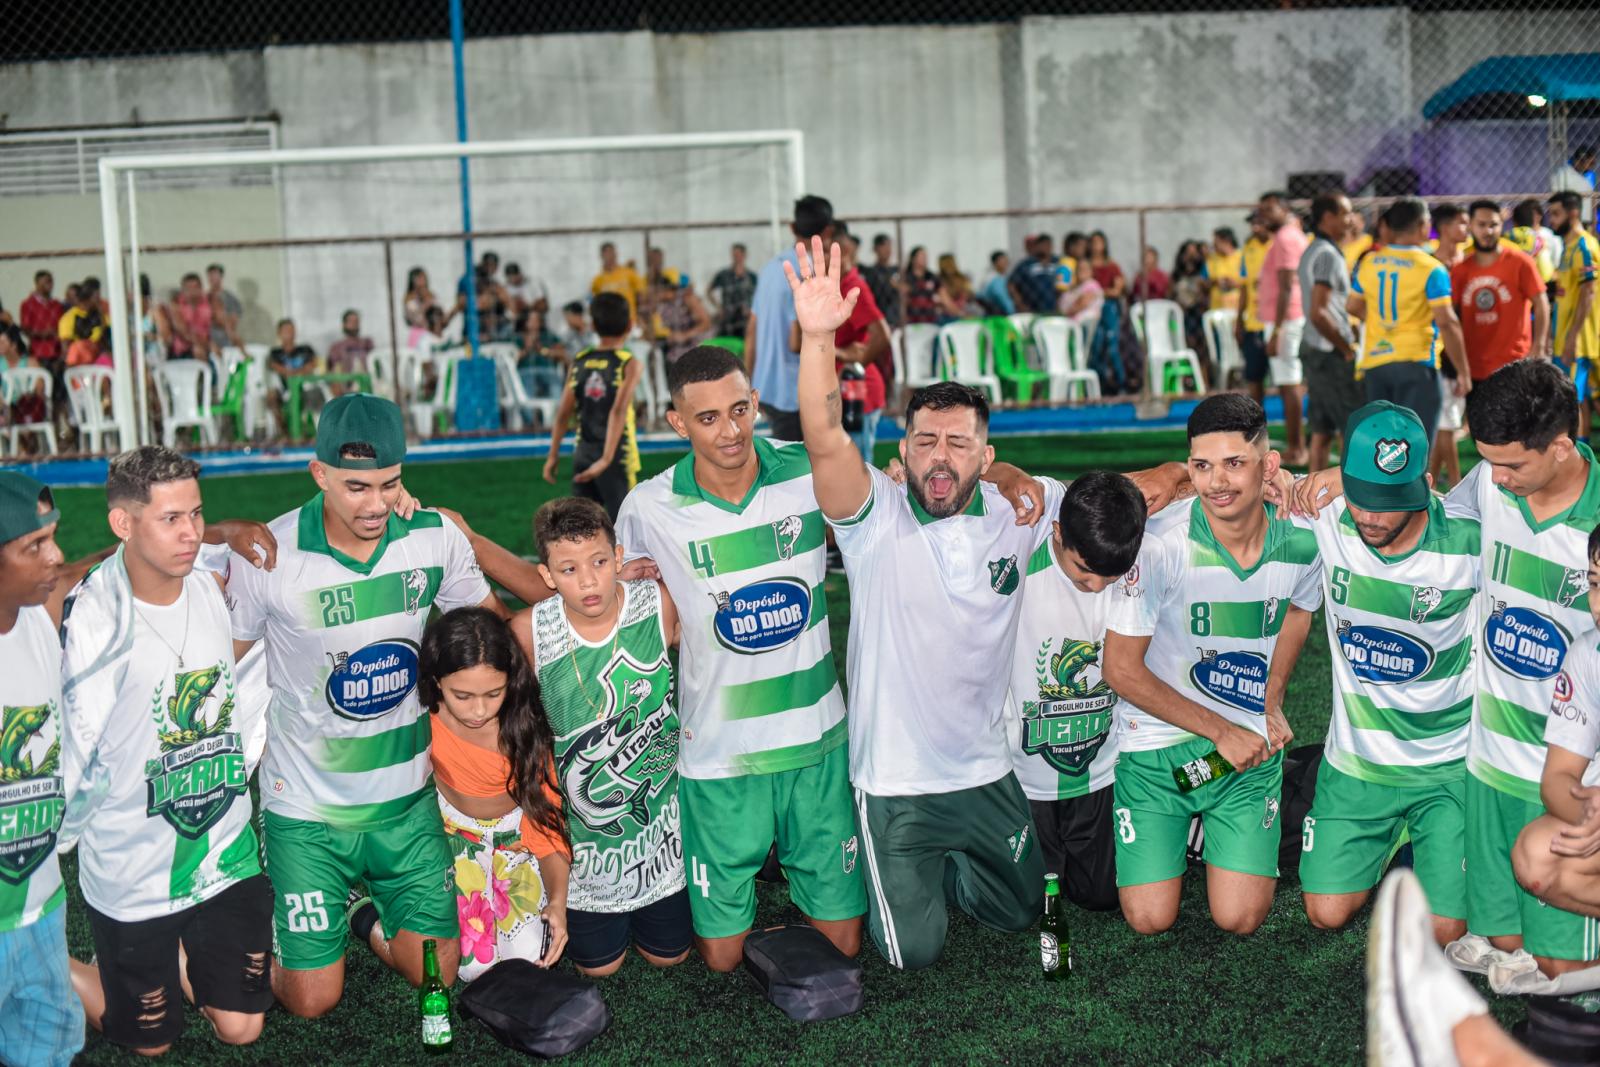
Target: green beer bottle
<point x="1196" y="773"/>
<point x="434" y="1000"/>
<point x="1055" y="943"/>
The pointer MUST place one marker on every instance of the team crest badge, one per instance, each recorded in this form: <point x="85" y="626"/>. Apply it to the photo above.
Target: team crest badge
<point x="786" y="532"/>
<point x="1271" y="814"/>
<point x="415" y="588"/>
<point x="1004" y="576"/>
<point x="849" y="850"/>
<point x="200" y="771"/>
<point x="1391" y="456"/>
<point x="1269" y="615"/>
<point x="1425" y="600"/>
<point x="1574" y="584"/>
<point x="32" y="799"/>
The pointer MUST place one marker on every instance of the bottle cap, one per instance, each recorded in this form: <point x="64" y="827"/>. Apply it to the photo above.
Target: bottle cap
<point x="1052" y="884"/>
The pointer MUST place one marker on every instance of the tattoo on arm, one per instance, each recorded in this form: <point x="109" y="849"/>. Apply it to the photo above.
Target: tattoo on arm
<point x="835" y="410"/>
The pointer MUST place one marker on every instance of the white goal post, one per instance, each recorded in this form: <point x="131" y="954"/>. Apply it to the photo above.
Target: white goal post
<point x="128" y="358"/>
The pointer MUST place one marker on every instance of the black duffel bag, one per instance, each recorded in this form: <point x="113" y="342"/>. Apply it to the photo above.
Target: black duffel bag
<point x="541" y="1012"/>
<point x="802" y="972"/>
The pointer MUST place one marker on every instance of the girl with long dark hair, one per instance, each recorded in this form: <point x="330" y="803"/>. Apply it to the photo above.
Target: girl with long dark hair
<point x="494" y="767"/>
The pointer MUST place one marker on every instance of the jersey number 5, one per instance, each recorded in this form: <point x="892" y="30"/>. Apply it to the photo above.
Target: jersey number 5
<point x="1339" y="585"/>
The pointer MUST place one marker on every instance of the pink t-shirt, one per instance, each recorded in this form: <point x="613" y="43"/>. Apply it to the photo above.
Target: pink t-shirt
<point x="1284" y="253"/>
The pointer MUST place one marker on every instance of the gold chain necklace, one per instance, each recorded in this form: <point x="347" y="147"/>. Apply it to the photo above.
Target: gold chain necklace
<point x="572" y="654"/>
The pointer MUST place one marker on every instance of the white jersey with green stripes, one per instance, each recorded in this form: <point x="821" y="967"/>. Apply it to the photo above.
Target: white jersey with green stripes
<point x="1401" y="629"/>
<point x="155" y="748"/>
<point x="347" y="742"/>
<point x="760" y="690"/>
<point x="933" y="628"/>
<point x="32" y="794"/>
<point x="1061" y="713"/>
<point x="1533" y="609"/>
<point x="1574" y="719"/>
<point x="609" y="703"/>
<point x="1213" y="625"/>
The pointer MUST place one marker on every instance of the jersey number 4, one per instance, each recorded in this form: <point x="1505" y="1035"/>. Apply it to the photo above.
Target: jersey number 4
<point x="700" y="556"/>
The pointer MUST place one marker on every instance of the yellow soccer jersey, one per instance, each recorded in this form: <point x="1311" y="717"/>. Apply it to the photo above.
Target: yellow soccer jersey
<point x="1401" y="284"/>
<point x="1218" y="268"/>
<point x="1580" y="262"/>
<point x="1255" y="254"/>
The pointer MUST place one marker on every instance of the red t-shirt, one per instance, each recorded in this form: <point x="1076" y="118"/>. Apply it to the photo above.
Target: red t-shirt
<point x="854" y="331"/>
<point x="1494" y="305"/>
<point x="42" y="317"/>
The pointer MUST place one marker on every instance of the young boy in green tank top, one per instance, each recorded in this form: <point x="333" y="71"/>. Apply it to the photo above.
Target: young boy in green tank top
<point x="599" y="648"/>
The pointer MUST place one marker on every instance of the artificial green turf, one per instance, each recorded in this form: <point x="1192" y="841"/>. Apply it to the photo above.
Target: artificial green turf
<point x="1289" y="994"/>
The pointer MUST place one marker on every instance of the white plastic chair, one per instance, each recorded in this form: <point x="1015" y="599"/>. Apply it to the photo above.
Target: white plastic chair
<point x="1065" y="349"/>
<point x="184" y="389"/>
<point x="515" y="402"/>
<point x="425" y="408"/>
<point x="961" y="345"/>
<point x="24" y="380"/>
<point x="1022" y="322"/>
<point x="1224" y="346"/>
<point x="1159" y="324"/>
<point x="85" y="388"/>
<point x="915" y="346"/>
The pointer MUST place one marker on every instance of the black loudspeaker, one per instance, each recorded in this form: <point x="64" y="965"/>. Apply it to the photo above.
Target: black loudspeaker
<point x="1393" y="181"/>
<point x="1311" y="184"/>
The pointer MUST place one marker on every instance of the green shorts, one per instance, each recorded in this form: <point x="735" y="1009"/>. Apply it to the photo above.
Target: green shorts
<point x="1354" y="827"/>
<point x="729" y="825"/>
<point x="406" y="864"/>
<point x="1151" y="818"/>
<point x="1496" y="905"/>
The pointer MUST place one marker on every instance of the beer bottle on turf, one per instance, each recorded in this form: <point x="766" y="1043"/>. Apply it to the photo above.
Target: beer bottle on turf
<point x="434" y="1000"/>
<point x="1055" y="943"/>
<point x="1196" y="773"/>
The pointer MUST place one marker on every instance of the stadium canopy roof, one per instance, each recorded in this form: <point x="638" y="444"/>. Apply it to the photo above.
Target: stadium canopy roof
<point x="1566" y="77"/>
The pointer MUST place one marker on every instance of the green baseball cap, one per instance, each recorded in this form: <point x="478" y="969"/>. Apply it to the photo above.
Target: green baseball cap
<point x="19" y="506"/>
<point x="1385" y="461"/>
<point x="361" y="418"/>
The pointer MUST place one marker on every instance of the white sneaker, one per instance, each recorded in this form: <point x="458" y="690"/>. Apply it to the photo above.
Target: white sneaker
<point x="1474" y="953"/>
<point x="1415" y="998"/>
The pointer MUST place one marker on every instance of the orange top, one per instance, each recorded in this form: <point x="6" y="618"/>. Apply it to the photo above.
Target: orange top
<point x="474" y="771"/>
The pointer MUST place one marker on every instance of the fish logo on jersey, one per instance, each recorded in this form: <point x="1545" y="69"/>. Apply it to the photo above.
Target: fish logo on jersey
<point x="32" y="799"/>
<point x="615" y="767"/>
<point x="1574" y="584"/>
<point x="1004" y="577"/>
<point x="201" y="767"/>
<point x="786" y="532"/>
<point x="415" y="587"/>
<point x="1425" y="600"/>
<point x="1066" y="670"/>
<point x="1271" y="813"/>
<point x="849" y="849"/>
<point x="1269" y="615"/>
<point x="1391" y="456"/>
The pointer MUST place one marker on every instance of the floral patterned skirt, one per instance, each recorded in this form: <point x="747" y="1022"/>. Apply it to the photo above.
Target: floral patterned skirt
<point x="499" y="890"/>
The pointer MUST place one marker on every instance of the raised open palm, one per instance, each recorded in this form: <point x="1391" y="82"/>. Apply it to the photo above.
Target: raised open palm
<point x="818" y="307"/>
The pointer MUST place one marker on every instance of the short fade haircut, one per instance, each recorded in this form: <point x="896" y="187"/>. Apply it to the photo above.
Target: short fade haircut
<point x="1447" y="213"/>
<point x="996" y="257"/>
<point x="1569" y="201"/>
<point x="812" y="215"/>
<point x="702" y="363"/>
<point x="571" y="518"/>
<point x="738" y="246"/>
<point x="943" y="396"/>
<point x="1229" y="413"/>
<point x="1482" y="205"/>
<point x="1528" y="403"/>
<point x="1325" y="204"/>
<point x="131" y="474"/>
<point x="215" y="267"/>
<point x="43" y="274"/>
<point x="610" y="314"/>
<point x="1405" y="214"/>
<point x="185" y="280"/>
<point x="880" y="240"/>
<point x="1102" y="519"/>
<point x="573" y="308"/>
<point x="282" y="323"/>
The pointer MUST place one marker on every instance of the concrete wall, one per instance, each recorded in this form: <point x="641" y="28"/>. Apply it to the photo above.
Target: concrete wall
<point x="1088" y="112"/>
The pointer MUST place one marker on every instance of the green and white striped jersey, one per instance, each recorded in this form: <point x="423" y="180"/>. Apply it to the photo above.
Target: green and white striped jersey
<point x="1535" y="580"/>
<point x="1213" y="625"/>
<point x="1061" y="715"/>
<point x="1401" y="629"/>
<point x="760" y="691"/>
<point x="32" y="794"/>
<point x="154" y="748"/>
<point x="347" y="739"/>
<point x="610" y="705"/>
<point x="933" y="628"/>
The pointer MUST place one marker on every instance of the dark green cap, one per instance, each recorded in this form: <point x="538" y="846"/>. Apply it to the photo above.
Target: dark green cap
<point x="19" y="506"/>
<point x="361" y="418"/>
<point x="1385" y="461"/>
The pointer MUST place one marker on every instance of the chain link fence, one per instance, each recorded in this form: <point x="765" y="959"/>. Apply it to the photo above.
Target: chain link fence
<point x="960" y="126"/>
